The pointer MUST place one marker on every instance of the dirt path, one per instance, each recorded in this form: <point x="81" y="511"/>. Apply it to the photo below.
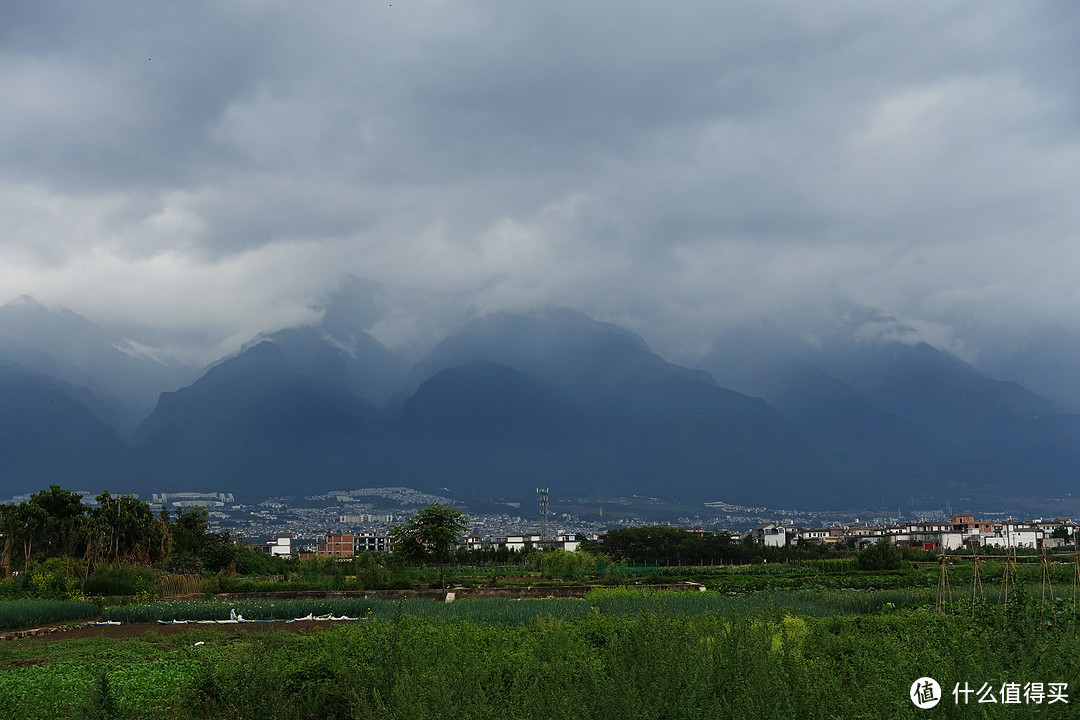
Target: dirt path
<point x="136" y="630"/>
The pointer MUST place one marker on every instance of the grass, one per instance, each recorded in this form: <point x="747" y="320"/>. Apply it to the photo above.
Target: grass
<point x="81" y="677"/>
<point x="649" y="663"/>
<point x="812" y="652"/>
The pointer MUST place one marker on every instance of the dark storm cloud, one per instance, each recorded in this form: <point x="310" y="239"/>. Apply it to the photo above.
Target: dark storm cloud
<point x="675" y="169"/>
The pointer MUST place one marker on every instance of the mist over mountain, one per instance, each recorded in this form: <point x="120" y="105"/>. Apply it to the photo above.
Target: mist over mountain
<point x="506" y="402"/>
<point x="923" y="412"/>
<point x="70" y="348"/>
<point x="862" y="413"/>
<point x="1044" y="360"/>
<point x="358" y="365"/>
<point x="582" y="357"/>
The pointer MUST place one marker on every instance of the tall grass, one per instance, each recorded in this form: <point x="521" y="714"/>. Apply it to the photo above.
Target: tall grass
<point x="29" y="612"/>
<point x="661" y="660"/>
<point x="646" y="665"/>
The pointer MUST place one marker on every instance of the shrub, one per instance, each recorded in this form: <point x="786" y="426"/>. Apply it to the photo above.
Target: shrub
<point x="54" y="579"/>
<point x="882" y="555"/>
<point x="120" y="581"/>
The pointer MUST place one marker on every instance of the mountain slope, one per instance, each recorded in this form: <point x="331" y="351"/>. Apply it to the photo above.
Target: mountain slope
<point x="355" y="365"/>
<point x="580" y="356"/>
<point x="47" y="435"/>
<point x="926" y="414"/>
<point x="487" y="429"/>
<point x="648" y="426"/>
<point x="673" y="435"/>
<point x="899" y="450"/>
<point x="257" y="427"/>
<point x="1035" y="439"/>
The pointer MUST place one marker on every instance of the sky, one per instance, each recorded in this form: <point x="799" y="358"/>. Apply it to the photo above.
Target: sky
<point x="212" y="170"/>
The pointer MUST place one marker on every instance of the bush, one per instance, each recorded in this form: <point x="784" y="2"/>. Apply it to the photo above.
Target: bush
<point x="10" y="588"/>
<point x="882" y="555"/>
<point x="120" y="581"/>
<point x="54" y="579"/>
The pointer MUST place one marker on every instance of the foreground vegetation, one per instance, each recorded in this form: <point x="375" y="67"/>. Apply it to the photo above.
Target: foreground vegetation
<point x="785" y="633"/>
<point x="618" y="654"/>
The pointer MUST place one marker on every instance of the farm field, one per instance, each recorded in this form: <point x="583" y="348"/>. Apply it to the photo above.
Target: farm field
<point x="618" y="653"/>
<point x="35" y="611"/>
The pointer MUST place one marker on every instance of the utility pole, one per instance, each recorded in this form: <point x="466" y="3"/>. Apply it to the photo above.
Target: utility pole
<point x="543" y="514"/>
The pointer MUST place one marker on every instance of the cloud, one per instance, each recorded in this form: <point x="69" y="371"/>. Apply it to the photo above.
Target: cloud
<point x="676" y="170"/>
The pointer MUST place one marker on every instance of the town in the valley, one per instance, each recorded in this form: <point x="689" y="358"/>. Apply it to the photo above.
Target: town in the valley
<point x="348" y="522"/>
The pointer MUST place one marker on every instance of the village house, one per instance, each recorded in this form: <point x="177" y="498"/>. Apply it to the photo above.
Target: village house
<point x="336" y="544"/>
<point x="963" y="530"/>
<point x="771" y="535"/>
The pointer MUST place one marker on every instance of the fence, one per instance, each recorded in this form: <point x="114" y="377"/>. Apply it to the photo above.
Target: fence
<point x="179" y="585"/>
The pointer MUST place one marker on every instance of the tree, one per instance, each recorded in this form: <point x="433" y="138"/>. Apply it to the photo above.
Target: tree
<point x="65" y="522"/>
<point x="123" y="530"/>
<point x="564" y="564"/>
<point x="24" y="526"/>
<point x="432" y="532"/>
<point x="190" y="534"/>
<point x="882" y="555"/>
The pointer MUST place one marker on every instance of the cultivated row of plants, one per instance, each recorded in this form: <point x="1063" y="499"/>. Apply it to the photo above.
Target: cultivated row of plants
<point x="818" y="602"/>
<point x="766" y="661"/>
<point x="495" y="610"/>
<point x="29" y="612"/>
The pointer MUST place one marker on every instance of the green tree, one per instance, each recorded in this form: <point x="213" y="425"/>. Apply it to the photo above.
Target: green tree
<point x="190" y="536"/>
<point x="66" y="522"/>
<point x="882" y="555"/>
<point x="563" y="564"/>
<point x="220" y="552"/>
<point x="24" y="526"/>
<point x="431" y="533"/>
<point x="123" y="530"/>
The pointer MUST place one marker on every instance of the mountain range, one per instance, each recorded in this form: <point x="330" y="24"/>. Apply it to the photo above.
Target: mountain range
<point x="502" y="403"/>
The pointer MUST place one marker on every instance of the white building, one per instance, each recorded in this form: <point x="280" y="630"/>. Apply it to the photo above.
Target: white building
<point x="1012" y="535"/>
<point x="570" y="542"/>
<point x="952" y="540"/>
<point x="280" y="545"/>
<point x="567" y="541"/>
<point x="771" y="535"/>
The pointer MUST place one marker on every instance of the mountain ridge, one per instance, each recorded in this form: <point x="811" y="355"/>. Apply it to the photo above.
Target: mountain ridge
<point x="506" y="400"/>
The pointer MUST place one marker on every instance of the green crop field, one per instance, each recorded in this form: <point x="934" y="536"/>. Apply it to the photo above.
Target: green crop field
<point x="619" y="653"/>
<point x="33" y="611"/>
